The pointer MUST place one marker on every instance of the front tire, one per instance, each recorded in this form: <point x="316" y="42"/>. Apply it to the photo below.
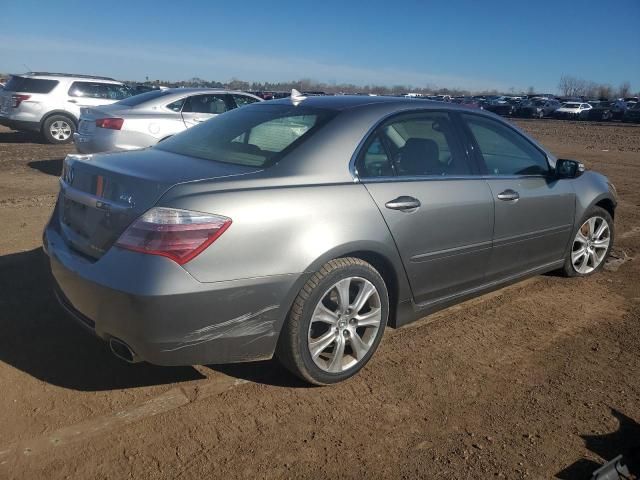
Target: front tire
<point x="58" y="129"/>
<point x="591" y="244"/>
<point x="336" y="322"/>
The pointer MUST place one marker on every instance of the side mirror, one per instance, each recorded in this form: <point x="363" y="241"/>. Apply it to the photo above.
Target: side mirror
<point x="569" y="168"/>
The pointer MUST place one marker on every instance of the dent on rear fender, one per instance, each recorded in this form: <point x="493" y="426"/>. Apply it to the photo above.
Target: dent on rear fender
<point x="251" y="324"/>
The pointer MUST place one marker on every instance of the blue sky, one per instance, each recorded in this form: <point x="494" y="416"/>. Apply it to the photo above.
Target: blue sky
<point x="456" y="43"/>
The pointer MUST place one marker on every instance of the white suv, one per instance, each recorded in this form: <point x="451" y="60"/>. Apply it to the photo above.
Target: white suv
<point x="50" y="103"/>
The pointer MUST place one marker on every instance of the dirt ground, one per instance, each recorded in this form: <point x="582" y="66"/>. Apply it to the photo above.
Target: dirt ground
<point x="537" y="380"/>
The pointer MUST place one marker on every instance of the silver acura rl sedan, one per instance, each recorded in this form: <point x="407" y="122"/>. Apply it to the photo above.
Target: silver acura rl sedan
<point x="302" y="227"/>
<point x="143" y="120"/>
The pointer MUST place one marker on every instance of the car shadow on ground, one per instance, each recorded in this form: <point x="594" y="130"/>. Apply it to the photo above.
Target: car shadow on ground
<point x="267" y="372"/>
<point x="50" y="167"/>
<point x="39" y="339"/>
<point x="21" y="137"/>
<point x="625" y="441"/>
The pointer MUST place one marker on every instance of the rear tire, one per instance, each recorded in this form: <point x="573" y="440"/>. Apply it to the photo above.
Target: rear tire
<point x="58" y="129"/>
<point x="336" y="322"/>
<point x="591" y="244"/>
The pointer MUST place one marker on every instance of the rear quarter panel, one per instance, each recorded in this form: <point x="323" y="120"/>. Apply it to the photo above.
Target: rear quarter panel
<point x="289" y="230"/>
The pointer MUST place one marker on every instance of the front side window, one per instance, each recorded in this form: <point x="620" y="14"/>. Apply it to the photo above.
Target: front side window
<point x="258" y="135"/>
<point x="420" y="144"/>
<point x="504" y="151"/>
<point x="211" y="104"/>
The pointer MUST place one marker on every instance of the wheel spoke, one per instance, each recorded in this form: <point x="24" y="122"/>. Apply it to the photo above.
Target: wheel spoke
<point x="583" y="264"/>
<point x="358" y="346"/>
<point x="593" y="258"/>
<point x="604" y="243"/>
<point x="601" y="229"/>
<point x="324" y="315"/>
<point x="592" y="225"/>
<point x="335" y="364"/>
<point x="578" y="254"/>
<point x="342" y="287"/>
<point x="320" y="344"/>
<point x="370" y="319"/>
<point x="364" y="294"/>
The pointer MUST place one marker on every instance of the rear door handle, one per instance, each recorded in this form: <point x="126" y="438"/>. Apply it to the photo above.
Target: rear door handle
<point x="509" y="195"/>
<point x="403" y="203"/>
<point x="72" y="101"/>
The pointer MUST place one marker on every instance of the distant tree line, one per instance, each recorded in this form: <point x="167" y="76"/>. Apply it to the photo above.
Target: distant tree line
<point x="570" y="86"/>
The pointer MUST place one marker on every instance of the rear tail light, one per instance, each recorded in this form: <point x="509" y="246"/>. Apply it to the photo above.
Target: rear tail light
<point x="176" y="234"/>
<point x="111" y="123"/>
<point x="18" y="99"/>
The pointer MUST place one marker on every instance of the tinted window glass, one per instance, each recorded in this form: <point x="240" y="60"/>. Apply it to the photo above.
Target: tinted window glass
<point x="505" y="152"/>
<point x="144" y="97"/>
<point x="243" y="100"/>
<point x="424" y="144"/>
<point x="30" y="85"/>
<point x="211" y="104"/>
<point x="257" y="135"/>
<point x="117" y="92"/>
<point x="375" y="162"/>
<point x="88" y="90"/>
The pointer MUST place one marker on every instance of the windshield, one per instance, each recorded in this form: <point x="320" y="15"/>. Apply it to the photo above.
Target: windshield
<point x="255" y="135"/>
<point x="143" y="97"/>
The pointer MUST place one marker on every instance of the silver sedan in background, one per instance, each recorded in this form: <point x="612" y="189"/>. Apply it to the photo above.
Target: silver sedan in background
<point x="144" y="120"/>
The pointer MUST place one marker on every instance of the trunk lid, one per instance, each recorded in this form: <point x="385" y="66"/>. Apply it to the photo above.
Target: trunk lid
<point x="89" y="115"/>
<point x="101" y="195"/>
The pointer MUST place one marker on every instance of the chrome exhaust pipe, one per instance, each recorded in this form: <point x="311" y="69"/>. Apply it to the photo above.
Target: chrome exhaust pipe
<point x="122" y="351"/>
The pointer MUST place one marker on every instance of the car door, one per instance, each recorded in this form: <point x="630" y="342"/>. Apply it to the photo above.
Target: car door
<point x="200" y="108"/>
<point x="534" y="211"/>
<point x="439" y="212"/>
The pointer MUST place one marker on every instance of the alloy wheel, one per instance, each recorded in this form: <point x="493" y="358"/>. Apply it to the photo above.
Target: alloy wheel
<point x="590" y="245"/>
<point x="344" y="324"/>
<point x="60" y="130"/>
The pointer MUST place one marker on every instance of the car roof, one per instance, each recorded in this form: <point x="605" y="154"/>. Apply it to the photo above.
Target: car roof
<point x="69" y="76"/>
<point x="346" y="102"/>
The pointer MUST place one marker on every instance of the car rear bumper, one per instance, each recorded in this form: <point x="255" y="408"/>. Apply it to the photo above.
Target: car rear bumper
<point x="162" y="313"/>
<point x="20" y="124"/>
<point x="105" y="140"/>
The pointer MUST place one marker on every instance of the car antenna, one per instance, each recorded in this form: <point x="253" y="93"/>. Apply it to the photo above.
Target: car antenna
<point x="296" y="97"/>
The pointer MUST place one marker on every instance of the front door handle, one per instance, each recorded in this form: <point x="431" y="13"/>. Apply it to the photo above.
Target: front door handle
<point x="72" y="101"/>
<point x="509" y="195"/>
<point x="403" y="203"/>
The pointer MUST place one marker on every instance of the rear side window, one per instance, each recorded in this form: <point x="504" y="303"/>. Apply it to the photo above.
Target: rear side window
<point x="244" y="100"/>
<point x="504" y="151"/>
<point x="256" y="136"/>
<point x="109" y="91"/>
<point x="420" y="144"/>
<point x="30" y="85"/>
<point x="210" y="104"/>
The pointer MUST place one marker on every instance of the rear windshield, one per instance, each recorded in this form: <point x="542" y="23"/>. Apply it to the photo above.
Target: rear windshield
<point x="255" y="135"/>
<point x="144" y="97"/>
<point x="30" y="85"/>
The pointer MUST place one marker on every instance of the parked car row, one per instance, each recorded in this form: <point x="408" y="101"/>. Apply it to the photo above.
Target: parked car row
<point x="101" y="113"/>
